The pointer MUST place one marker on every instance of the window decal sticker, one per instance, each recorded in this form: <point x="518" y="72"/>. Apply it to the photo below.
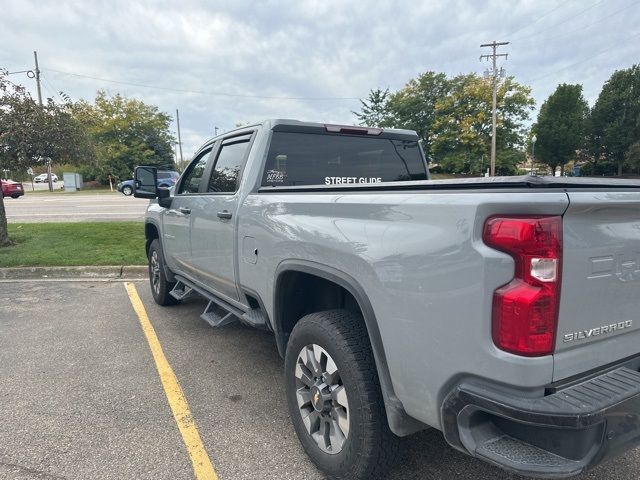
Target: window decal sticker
<point x="276" y="176"/>
<point x="348" y="180"/>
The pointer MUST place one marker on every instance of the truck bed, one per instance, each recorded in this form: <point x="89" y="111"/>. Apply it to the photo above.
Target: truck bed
<point x="522" y="181"/>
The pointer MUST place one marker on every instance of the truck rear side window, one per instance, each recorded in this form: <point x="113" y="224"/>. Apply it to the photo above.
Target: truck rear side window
<point x="324" y="159"/>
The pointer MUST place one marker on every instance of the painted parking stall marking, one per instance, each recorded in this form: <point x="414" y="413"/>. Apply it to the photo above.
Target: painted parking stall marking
<point x="202" y="466"/>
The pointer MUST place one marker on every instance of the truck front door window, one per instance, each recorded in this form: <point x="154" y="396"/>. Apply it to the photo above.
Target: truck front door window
<point x="191" y="182"/>
<point x="226" y="172"/>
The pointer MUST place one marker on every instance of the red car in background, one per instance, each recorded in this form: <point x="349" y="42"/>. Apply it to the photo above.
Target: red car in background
<point x="11" y="189"/>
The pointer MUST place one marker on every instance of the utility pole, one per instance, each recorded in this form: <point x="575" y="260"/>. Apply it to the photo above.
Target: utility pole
<point x="35" y="56"/>
<point x="493" y="56"/>
<point x="37" y="71"/>
<point x="179" y="138"/>
<point x="215" y="129"/>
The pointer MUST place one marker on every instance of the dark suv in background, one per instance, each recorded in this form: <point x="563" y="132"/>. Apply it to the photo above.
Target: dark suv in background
<point x="166" y="179"/>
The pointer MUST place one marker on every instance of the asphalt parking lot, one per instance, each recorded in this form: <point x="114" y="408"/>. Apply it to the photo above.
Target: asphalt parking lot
<point x="74" y="207"/>
<point x="80" y="395"/>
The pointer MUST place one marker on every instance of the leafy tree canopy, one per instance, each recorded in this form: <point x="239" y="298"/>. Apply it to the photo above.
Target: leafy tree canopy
<point x="375" y="110"/>
<point x="125" y="133"/>
<point x="615" y="118"/>
<point x="31" y="134"/>
<point x="561" y="125"/>
<point x="452" y="117"/>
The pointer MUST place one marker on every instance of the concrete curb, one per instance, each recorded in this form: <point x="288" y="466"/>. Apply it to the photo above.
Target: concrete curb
<point x="97" y="272"/>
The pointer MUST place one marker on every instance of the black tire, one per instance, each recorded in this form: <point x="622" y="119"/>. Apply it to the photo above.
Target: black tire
<point x="127" y="190"/>
<point x="15" y="196"/>
<point x="370" y="448"/>
<point x="160" y="286"/>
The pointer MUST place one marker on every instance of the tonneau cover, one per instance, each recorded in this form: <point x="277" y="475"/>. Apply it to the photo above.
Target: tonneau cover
<point x="521" y="181"/>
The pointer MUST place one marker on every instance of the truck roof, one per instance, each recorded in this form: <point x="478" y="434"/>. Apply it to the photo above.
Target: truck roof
<point x="312" y="125"/>
<point x="300" y="125"/>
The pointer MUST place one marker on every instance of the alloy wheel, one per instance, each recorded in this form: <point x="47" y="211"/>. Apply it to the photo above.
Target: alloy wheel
<point x="154" y="263"/>
<point x="322" y="399"/>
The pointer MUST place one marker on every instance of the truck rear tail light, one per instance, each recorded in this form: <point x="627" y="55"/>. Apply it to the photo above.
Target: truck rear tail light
<point x="525" y="311"/>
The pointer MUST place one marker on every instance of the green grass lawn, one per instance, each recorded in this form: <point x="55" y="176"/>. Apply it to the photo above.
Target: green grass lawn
<point x="64" y="244"/>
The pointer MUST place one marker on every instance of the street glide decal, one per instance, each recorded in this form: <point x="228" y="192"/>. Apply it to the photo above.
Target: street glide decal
<point x="594" y="332"/>
<point x="347" y="180"/>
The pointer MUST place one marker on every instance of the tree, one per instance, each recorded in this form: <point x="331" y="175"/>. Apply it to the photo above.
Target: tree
<point x="375" y="110"/>
<point x="561" y="126"/>
<point x="125" y="133"/>
<point x="461" y="132"/>
<point x="414" y="106"/>
<point x="615" y="118"/>
<point x="31" y="134"/>
<point x="632" y="158"/>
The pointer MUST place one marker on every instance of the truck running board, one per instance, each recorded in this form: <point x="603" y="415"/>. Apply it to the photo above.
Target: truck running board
<point x="218" y="312"/>
<point x="181" y="291"/>
<point x="216" y="316"/>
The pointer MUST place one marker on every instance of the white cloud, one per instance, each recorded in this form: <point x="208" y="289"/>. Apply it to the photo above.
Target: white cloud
<point x="313" y="49"/>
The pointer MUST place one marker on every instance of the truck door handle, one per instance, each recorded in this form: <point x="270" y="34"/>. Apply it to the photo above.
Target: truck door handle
<point x="224" y="215"/>
<point x="185" y="210"/>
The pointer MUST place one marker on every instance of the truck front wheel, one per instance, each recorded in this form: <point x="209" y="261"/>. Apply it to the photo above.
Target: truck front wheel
<point x="334" y="397"/>
<point x="160" y="286"/>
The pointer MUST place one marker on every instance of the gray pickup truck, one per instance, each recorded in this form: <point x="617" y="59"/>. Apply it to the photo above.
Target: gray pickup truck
<point x="502" y="311"/>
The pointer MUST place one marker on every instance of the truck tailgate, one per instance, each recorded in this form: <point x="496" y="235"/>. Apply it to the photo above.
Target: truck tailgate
<point x="599" y="318"/>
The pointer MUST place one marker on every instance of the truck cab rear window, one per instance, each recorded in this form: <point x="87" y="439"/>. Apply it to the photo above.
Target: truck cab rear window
<point x="323" y="159"/>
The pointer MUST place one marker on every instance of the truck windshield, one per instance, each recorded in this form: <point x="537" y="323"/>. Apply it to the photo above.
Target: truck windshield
<point x="325" y="159"/>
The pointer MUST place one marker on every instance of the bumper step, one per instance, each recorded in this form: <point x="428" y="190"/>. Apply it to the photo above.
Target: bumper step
<point x="554" y="436"/>
<point x="507" y="450"/>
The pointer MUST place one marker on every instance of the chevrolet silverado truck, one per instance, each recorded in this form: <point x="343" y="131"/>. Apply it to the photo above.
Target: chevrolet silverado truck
<point x="502" y="311"/>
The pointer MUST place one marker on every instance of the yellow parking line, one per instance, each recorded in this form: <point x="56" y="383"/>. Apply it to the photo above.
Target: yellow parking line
<point x="202" y="466"/>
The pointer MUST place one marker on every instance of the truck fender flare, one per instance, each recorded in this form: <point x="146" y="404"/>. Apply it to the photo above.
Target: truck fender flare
<point x="168" y="273"/>
<point x="399" y="421"/>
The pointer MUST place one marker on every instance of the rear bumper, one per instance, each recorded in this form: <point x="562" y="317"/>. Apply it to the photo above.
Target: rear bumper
<point x="555" y="436"/>
<point x="14" y="193"/>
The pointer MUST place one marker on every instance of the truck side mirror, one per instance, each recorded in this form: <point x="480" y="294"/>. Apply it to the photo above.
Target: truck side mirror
<point x="145" y="182"/>
<point x="164" y="197"/>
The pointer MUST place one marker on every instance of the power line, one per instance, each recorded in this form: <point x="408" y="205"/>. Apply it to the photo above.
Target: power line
<point x="590" y="57"/>
<point x="561" y="22"/>
<point x="597" y="22"/>
<point x="48" y="87"/>
<point x="51" y="87"/>
<point x="539" y="18"/>
<point x="197" y="92"/>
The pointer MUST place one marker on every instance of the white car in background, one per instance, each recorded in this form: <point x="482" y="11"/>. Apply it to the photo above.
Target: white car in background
<point x="43" y="177"/>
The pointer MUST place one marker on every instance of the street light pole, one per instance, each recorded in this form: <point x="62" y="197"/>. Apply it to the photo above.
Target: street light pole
<point x="179" y="137"/>
<point x="37" y="71"/>
<point x="533" y="152"/>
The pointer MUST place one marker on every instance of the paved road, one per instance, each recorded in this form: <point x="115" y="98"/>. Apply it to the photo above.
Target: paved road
<point x="80" y="396"/>
<point x="74" y="207"/>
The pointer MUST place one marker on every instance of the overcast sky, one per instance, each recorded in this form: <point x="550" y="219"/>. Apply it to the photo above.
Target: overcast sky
<point x="235" y="61"/>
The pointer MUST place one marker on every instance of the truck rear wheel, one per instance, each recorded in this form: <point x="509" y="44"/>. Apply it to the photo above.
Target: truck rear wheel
<point x="334" y="397"/>
<point x="160" y="286"/>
